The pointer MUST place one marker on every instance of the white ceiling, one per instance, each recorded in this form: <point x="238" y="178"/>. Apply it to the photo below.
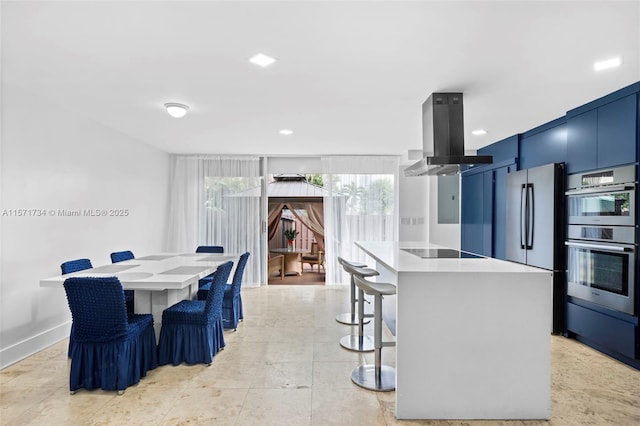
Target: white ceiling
<point x="350" y="79"/>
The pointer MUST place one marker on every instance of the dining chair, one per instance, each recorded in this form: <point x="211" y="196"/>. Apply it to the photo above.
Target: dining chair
<point x="276" y="264"/>
<point x="232" y="311"/>
<point x="111" y="349"/>
<point x="192" y="330"/>
<point x="75" y="266"/>
<point x="69" y="267"/>
<point x="210" y="249"/>
<point x="315" y="257"/>
<point x="121" y="256"/>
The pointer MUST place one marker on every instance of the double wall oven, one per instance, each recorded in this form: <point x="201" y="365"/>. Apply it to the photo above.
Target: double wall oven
<point x="601" y="245"/>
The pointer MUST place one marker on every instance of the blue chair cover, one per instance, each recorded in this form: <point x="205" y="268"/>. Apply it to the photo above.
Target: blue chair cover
<point x="192" y="330"/>
<point x="75" y="266"/>
<point x="210" y="249"/>
<point x="232" y="302"/>
<point x="110" y="350"/>
<point x="67" y="268"/>
<point x="121" y="256"/>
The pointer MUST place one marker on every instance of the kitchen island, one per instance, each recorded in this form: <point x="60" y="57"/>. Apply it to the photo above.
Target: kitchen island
<point x="472" y="334"/>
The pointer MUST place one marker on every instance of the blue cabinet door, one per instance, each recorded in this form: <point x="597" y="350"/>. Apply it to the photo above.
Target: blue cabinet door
<point x="500" y="210"/>
<point x="487" y="213"/>
<point x="603" y="137"/>
<point x="472" y="215"/>
<point x="540" y="147"/>
<point x="617" y="132"/>
<point x="582" y="142"/>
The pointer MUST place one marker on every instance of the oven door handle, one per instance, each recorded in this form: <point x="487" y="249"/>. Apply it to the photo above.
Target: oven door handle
<point x="601" y="189"/>
<point x="598" y="247"/>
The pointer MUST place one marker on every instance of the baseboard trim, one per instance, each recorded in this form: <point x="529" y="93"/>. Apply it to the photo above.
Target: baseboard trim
<point x="33" y="344"/>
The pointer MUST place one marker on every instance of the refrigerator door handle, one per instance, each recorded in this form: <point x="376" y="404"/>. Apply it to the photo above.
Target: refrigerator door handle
<point x="530" y="216"/>
<point x="523" y="216"/>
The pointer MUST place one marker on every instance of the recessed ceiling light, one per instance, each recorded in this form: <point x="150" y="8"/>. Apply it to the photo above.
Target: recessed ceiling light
<point x="262" y="60"/>
<point x="606" y="64"/>
<point x="176" y="110"/>
<point x="479" y="132"/>
<point x="286" y="132"/>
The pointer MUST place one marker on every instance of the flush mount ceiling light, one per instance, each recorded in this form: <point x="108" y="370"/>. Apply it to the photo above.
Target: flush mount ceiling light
<point x="176" y="110"/>
<point x="478" y="132"/>
<point x="286" y="132"/>
<point x="606" y="64"/>
<point x="262" y="60"/>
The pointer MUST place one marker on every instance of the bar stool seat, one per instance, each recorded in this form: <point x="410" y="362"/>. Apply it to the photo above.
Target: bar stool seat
<point x="350" y="318"/>
<point x="359" y="342"/>
<point x="376" y="377"/>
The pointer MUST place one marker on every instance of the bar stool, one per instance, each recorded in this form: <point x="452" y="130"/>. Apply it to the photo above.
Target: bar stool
<point x="359" y="343"/>
<point x="350" y="318"/>
<point x="376" y="377"/>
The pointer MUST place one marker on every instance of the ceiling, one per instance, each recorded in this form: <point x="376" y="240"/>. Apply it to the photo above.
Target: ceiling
<point x="350" y="77"/>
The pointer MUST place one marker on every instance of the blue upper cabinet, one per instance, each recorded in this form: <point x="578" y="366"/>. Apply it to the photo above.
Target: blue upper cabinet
<point x="544" y="145"/>
<point x="603" y="133"/>
<point x="582" y="142"/>
<point x="617" y="132"/>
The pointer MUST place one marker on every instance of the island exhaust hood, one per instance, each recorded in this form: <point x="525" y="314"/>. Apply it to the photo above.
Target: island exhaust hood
<point x="443" y="138"/>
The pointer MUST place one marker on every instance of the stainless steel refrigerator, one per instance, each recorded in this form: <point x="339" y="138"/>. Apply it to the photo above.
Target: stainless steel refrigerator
<point x="535" y="228"/>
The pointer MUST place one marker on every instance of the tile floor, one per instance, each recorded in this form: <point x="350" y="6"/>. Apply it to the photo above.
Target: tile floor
<point x="284" y="367"/>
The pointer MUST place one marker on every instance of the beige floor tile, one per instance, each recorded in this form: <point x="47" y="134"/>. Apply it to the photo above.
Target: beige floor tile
<point x="139" y="405"/>
<point x="204" y="405"/>
<point x="290" y="375"/>
<point x="276" y="407"/>
<point x="333" y="352"/>
<point x="333" y="375"/>
<point x="345" y="407"/>
<point x="17" y="399"/>
<point x="229" y="375"/>
<point x="294" y="352"/>
<point x="62" y="408"/>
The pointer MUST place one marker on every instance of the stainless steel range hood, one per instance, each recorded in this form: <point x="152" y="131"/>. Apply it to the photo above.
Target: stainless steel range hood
<point x="443" y="138"/>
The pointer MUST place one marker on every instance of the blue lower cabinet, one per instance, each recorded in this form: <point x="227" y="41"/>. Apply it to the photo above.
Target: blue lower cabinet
<point x="609" y="333"/>
<point x="472" y="213"/>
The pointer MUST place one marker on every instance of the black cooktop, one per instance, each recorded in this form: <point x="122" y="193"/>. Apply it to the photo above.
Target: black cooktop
<point x="441" y="253"/>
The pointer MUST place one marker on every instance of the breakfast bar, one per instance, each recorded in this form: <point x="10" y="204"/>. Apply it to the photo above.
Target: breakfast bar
<point x="472" y="333"/>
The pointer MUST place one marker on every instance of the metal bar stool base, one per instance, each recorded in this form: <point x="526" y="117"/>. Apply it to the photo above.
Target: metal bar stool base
<point x="365" y="377"/>
<point x="357" y="343"/>
<point x="350" y="319"/>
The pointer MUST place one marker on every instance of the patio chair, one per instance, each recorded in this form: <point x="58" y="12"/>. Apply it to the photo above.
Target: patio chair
<point x="276" y="264"/>
<point x="315" y="257"/>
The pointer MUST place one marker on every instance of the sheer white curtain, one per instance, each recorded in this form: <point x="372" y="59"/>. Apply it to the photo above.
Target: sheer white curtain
<point x="361" y="206"/>
<point x="215" y="200"/>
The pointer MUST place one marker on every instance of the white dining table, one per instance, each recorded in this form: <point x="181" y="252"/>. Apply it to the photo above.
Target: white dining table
<point x="158" y="280"/>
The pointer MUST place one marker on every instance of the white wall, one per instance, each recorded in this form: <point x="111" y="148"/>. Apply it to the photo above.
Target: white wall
<point x="444" y="234"/>
<point x="51" y="160"/>
<point x="414" y="207"/>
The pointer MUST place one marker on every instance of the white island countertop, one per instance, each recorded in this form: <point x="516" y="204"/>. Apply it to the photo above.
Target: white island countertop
<point x="392" y="257"/>
<point x="472" y="335"/>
